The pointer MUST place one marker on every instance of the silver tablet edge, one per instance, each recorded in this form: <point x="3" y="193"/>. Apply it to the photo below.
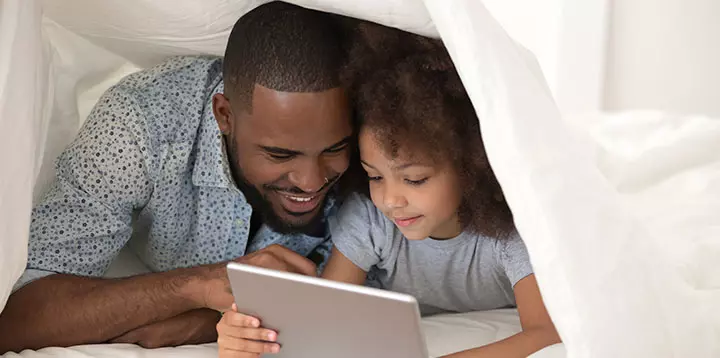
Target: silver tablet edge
<point x="322" y="282"/>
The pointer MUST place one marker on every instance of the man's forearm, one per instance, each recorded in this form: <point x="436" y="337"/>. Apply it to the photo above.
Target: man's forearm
<point x="64" y="310"/>
<point x="192" y="327"/>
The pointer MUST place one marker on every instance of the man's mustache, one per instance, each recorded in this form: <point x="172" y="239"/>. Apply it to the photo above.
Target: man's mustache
<point x="296" y="190"/>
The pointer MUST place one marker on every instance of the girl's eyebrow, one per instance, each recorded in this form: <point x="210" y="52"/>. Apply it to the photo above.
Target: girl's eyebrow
<point x="407" y="165"/>
<point x="366" y="164"/>
<point x="398" y="167"/>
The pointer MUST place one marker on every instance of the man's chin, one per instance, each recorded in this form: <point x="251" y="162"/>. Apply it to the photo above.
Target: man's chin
<point x="288" y="222"/>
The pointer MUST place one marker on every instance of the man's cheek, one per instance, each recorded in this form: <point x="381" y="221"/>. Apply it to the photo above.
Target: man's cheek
<point x="260" y="172"/>
<point x="341" y="164"/>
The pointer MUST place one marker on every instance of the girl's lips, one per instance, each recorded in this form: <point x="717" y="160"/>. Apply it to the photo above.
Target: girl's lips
<point x="405" y="222"/>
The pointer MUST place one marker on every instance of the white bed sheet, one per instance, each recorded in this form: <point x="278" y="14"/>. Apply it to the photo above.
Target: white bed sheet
<point x="444" y="334"/>
<point x="447" y="325"/>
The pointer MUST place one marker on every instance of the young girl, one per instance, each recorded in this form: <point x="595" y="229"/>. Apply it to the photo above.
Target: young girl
<point x="436" y="225"/>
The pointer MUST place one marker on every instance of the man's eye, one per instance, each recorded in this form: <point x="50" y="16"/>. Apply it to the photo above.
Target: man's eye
<point x="336" y="150"/>
<point x="281" y="156"/>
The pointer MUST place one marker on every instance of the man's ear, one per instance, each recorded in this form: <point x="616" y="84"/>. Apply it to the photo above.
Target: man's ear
<point x="223" y="113"/>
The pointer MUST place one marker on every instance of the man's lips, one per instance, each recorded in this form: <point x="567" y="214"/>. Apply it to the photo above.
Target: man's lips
<point x="301" y="204"/>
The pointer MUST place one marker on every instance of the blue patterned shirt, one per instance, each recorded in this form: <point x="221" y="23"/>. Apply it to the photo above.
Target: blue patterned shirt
<point x="148" y="168"/>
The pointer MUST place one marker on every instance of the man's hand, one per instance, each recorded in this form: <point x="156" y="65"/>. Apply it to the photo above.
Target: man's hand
<point x="218" y="294"/>
<point x="277" y="257"/>
<point x="192" y="327"/>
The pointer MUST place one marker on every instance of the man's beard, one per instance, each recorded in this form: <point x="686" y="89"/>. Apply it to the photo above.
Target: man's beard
<point x="263" y="206"/>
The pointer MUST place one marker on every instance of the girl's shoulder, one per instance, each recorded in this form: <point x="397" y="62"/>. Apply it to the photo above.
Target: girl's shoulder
<point x="514" y="257"/>
<point x="358" y="205"/>
<point x="358" y="210"/>
<point x="359" y="231"/>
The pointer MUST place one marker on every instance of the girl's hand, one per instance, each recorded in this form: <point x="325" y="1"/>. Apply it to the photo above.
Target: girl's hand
<point x="240" y="336"/>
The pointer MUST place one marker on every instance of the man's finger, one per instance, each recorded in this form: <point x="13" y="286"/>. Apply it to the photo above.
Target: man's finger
<point x="125" y="338"/>
<point x="131" y="337"/>
<point x="296" y="263"/>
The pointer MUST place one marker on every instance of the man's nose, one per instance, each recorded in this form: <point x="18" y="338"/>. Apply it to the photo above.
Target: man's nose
<point x="310" y="177"/>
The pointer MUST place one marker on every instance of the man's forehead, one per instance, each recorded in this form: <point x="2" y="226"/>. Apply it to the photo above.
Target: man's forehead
<point x="272" y="104"/>
<point x="262" y="95"/>
<point x="297" y="120"/>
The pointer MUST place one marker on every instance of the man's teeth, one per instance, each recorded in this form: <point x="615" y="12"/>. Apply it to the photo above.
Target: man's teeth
<point x="295" y="198"/>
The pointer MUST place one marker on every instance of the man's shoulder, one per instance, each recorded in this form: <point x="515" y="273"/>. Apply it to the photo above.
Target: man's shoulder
<point x="170" y="99"/>
<point x="175" y="72"/>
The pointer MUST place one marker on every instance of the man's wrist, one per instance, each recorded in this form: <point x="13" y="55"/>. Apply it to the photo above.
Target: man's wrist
<point x="193" y="283"/>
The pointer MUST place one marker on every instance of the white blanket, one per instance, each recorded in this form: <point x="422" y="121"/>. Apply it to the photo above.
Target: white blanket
<point x="619" y="214"/>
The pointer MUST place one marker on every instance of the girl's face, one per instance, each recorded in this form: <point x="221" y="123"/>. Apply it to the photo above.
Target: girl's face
<point x="421" y="197"/>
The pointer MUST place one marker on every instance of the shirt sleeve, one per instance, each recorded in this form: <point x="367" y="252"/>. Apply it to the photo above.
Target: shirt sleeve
<point x="359" y="232"/>
<point x="321" y="254"/>
<point x="101" y="178"/>
<point x="515" y="259"/>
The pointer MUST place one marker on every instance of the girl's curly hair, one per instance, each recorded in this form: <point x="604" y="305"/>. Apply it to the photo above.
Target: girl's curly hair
<point x="409" y="94"/>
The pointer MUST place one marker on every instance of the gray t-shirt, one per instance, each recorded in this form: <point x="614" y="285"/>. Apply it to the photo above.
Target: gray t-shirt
<point x="466" y="273"/>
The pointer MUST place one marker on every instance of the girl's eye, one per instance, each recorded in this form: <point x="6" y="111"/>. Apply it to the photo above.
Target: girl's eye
<point x="416" y="182"/>
<point x="371" y="178"/>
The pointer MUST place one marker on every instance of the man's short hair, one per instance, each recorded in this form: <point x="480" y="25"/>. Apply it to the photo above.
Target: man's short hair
<point x="283" y="47"/>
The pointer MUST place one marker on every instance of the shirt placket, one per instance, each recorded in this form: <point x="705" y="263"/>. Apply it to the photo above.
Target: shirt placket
<point x="239" y="239"/>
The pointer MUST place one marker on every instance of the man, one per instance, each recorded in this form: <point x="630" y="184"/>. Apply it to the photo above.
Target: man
<point x="241" y="169"/>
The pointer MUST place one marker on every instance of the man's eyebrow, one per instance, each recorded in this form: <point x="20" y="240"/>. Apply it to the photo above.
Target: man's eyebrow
<point x="290" y="152"/>
<point x="339" y="144"/>
<point x="279" y="151"/>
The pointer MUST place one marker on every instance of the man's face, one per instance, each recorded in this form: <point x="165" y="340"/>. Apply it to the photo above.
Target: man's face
<point x="287" y="152"/>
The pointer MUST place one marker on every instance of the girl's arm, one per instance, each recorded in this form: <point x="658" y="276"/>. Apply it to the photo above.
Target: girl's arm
<point x="340" y="268"/>
<point x="538" y="330"/>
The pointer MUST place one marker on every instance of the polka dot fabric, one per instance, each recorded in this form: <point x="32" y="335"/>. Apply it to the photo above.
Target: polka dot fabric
<point x="149" y="160"/>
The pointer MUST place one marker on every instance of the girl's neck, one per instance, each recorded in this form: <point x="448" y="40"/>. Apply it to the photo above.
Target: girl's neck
<point x="449" y="230"/>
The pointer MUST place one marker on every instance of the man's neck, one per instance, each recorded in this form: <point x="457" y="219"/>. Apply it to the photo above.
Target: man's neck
<point x="255" y="224"/>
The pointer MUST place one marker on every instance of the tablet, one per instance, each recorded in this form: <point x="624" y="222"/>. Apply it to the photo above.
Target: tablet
<point x="318" y="318"/>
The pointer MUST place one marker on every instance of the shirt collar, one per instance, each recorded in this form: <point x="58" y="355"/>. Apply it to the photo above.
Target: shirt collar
<point x="211" y="167"/>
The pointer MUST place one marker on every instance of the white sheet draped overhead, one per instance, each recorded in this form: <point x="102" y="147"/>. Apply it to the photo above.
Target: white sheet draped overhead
<point x="620" y="218"/>
<point x="24" y="89"/>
